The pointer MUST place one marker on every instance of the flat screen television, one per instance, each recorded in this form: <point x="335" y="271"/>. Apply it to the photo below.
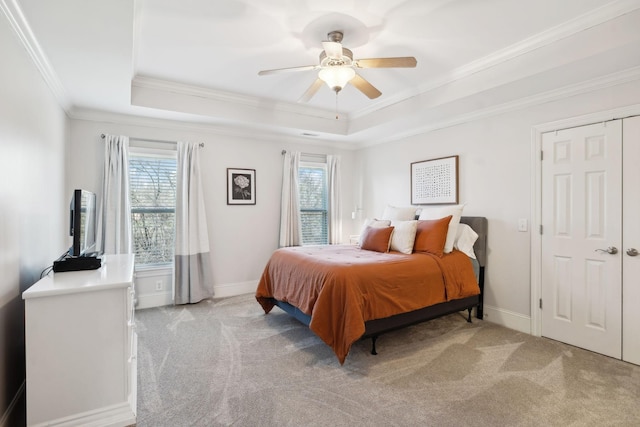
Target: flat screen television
<point x="82" y="225"/>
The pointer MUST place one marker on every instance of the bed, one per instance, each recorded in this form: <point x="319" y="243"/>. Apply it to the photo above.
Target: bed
<point x="344" y="293"/>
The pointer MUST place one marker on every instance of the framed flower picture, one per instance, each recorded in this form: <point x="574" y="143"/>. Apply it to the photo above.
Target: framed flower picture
<point x="241" y="186"/>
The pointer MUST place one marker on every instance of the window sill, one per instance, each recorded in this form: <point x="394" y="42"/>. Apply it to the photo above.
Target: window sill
<point x="153" y="269"/>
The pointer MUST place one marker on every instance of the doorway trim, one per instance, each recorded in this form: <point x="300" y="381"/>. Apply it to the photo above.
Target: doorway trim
<point x="536" y="193"/>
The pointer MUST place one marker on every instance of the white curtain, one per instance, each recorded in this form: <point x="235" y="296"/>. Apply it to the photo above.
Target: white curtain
<point x="290" y="223"/>
<point x="335" y="208"/>
<point x="193" y="274"/>
<point x="114" y="221"/>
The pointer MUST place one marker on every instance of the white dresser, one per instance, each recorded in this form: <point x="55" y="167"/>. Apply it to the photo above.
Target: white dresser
<point x="81" y="347"/>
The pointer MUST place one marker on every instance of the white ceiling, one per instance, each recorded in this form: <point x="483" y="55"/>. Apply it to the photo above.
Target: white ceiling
<point x="198" y="60"/>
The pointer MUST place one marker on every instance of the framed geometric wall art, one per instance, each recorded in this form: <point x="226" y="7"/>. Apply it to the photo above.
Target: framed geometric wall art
<point x="241" y="186"/>
<point x="434" y="181"/>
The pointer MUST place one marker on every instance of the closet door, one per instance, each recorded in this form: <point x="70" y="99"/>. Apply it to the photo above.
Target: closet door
<point x="582" y="235"/>
<point x="631" y="241"/>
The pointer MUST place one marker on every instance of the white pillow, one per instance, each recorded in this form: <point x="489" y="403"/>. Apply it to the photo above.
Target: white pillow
<point x="465" y="239"/>
<point x="395" y="213"/>
<point x="437" y="212"/>
<point x="404" y="234"/>
<point x="374" y="223"/>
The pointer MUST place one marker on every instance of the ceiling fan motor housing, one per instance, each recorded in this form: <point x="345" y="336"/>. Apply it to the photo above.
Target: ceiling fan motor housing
<point x="347" y="59"/>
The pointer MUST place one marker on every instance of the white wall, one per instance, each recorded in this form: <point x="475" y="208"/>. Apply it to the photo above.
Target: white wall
<point x="241" y="237"/>
<point x="33" y="205"/>
<point x="495" y="181"/>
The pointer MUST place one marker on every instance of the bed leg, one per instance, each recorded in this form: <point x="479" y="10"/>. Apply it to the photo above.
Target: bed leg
<point x="373" y="345"/>
<point x="469" y="315"/>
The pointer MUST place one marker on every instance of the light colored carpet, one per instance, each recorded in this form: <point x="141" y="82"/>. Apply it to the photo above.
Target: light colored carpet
<point x="225" y="362"/>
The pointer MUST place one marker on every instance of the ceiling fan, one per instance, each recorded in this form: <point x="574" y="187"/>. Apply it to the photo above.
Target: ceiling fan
<point x="337" y="68"/>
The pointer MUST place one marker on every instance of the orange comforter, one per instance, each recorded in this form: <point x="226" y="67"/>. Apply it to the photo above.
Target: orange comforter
<point x="341" y="286"/>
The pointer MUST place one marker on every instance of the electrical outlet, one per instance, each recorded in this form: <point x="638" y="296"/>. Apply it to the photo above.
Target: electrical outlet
<point x="159" y="285"/>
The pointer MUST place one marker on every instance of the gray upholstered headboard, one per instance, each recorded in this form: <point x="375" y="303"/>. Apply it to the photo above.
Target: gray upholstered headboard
<point x="479" y="225"/>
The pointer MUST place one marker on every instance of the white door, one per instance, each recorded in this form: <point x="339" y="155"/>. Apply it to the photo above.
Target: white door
<point x="581" y="240"/>
<point x="631" y="241"/>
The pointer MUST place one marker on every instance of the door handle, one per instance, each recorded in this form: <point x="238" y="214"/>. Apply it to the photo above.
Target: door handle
<point x="610" y="250"/>
<point x="632" y="252"/>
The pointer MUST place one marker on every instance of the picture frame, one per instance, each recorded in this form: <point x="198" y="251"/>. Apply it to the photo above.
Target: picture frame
<point x="241" y="186"/>
<point x="435" y="181"/>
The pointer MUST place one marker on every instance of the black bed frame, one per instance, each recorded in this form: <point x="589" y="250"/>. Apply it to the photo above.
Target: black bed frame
<point x="377" y="327"/>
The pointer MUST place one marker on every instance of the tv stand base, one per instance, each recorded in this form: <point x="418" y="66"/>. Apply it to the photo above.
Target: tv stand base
<point x="77" y="264"/>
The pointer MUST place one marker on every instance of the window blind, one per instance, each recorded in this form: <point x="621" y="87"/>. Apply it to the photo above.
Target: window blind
<point x="153" y="202"/>
<point x="313" y="204"/>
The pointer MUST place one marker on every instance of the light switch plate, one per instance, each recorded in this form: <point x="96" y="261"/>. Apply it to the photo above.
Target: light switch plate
<point x="523" y="224"/>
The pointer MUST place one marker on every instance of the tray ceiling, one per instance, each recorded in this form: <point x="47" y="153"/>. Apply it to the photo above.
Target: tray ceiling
<point x="198" y="60"/>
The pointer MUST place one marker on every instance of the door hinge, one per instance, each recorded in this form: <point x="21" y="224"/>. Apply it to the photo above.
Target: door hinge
<point x="540" y="228"/>
<point x="541" y="155"/>
<point x="540" y="303"/>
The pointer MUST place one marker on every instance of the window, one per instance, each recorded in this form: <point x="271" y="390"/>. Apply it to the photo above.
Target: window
<point x="153" y="206"/>
<point x="314" y="213"/>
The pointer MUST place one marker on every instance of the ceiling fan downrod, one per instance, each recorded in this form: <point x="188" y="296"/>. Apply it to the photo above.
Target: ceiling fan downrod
<point x="335" y="36"/>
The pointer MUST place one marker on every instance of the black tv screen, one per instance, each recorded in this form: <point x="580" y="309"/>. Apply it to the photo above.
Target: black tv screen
<point x="83" y="223"/>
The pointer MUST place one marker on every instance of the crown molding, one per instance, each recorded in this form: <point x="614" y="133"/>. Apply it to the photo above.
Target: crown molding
<point x="207" y="128"/>
<point x="626" y="76"/>
<point x="598" y="117"/>
<point x="22" y="29"/>
<point x="613" y="79"/>
<point x="566" y="29"/>
<point x="229" y="97"/>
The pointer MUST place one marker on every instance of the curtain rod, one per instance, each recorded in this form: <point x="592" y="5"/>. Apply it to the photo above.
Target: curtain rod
<point x="153" y="140"/>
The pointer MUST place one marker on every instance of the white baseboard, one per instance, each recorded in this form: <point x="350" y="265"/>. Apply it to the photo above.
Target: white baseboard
<point x="120" y="414"/>
<point x="508" y="319"/>
<point x="157" y="299"/>
<point x="234" y="289"/>
<point x="4" y="420"/>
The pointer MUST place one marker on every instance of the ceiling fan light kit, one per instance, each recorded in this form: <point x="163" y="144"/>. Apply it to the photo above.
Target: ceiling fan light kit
<point x="337" y="68"/>
<point x="337" y="77"/>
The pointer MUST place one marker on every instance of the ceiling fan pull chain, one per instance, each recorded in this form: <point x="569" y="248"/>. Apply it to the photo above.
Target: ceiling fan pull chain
<point x="336" y="105"/>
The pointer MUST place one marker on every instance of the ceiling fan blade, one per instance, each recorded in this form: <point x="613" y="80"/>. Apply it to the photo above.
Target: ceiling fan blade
<point x="311" y="91"/>
<point x="332" y="49"/>
<point x="287" y="70"/>
<point x="365" y="87"/>
<point x="400" y="62"/>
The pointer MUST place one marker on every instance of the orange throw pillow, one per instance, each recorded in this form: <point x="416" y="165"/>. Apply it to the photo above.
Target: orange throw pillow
<point x="432" y="235"/>
<point x="377" y="239"/>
